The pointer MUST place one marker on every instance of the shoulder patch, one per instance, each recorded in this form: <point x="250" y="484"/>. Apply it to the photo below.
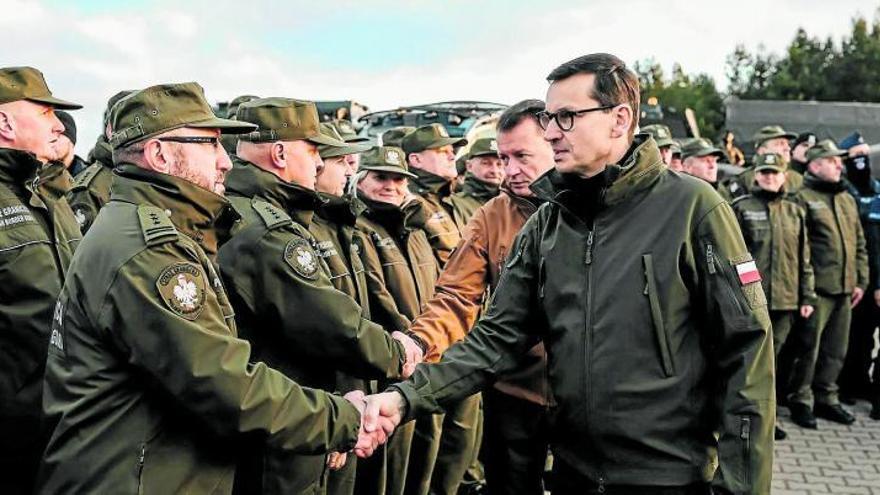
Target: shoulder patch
<point x="182" y="287"/>
<point x="302" y="258"/>
<point x="272" y="216"/>
<point x="84" y="178"/>
<point x="156" y="225"/>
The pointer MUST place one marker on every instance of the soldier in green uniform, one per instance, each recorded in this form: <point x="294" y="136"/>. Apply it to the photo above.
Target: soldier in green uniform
<point x="429" y="152"/>
<point x="774" y="228"/>
<point x="91" y="189"/>
<point x="768" y="139"/>
<point x="482" y="181"/>
<point x="401" y="272"/>
<point x="38" y="235"/>
<point x="700" y="158"/>
<point x="840" y="262"/>
<point x="285" y="302"/>
<point x="147" y="385"/>
<point x="665" y="143"/>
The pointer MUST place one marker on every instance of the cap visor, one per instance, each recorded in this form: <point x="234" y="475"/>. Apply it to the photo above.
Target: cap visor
<point x="444" y="141"/>
<point x="351" y="149"/>
<point x="662" y="143"/>
<point x="328" y="141"/>
<point x="226" y="126"/>
<point x="483" y="153"/>
<point x="55" y="102"/>
<point x="388" y="170"/>
<point x="768" y="167"/>
<point x="357" y="139"/>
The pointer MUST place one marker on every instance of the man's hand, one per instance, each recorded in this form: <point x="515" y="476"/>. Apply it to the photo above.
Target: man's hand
<point x="857" y="295"/>
<point x="807" y="311"/>
<point x="381" y="416"/>
<point x="414" y="354"/>
<point x="367" y="442"/>
<point x="336" y="460"/>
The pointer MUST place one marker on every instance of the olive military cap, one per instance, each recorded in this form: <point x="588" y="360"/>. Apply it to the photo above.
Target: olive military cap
<point x="769" y="132"/>
<point x="487" y="146"/>
<point x="824" y="149"/>
<point x="699" y="147"/>
<point x="660" y="133"/>
<point x="346" y="129"/>
<point x="236" y="102"/>
<point x="27" y="83"/>
<point x="395" y="135"/>
<point x="108" y="117"/>
<point x="165" y="107"/>
<point x="388" y="159"/>
<point x="769" y="161"/>
<point x="282" y="119"/>
<point x="428" y="137"/>
<point x="676" y="148"/>
<point x="341" y="148"/>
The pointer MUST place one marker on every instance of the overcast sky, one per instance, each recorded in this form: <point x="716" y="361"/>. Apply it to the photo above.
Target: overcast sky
<point x="382" y="53"/>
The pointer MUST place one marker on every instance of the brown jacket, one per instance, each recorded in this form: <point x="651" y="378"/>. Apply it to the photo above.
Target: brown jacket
<point x="471" y="273"/>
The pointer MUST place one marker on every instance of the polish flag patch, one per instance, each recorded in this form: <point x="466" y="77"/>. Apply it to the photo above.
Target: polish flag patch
<point x="748" y="273"/>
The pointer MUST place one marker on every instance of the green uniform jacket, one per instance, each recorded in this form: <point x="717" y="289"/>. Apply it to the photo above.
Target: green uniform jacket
<point x="400" y="264"/>
<point x="655" y="345"/>
<point x="147" y="385"/>
<point x="91" y="188"/>
<point x="289" y="310"/>
<point x="38" y="236"/>
<point x="837" y="243"/>
<point x="774" y="226"/>
<point x="433" y="192"/>
<point x="474" y="194"/>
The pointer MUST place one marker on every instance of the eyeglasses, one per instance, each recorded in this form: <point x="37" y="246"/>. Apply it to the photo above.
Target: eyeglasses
<point x="191" y="139"/>
<point x="565" y="118"/>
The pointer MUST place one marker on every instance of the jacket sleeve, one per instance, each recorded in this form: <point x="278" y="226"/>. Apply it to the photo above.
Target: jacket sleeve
<point x="198" y="363"/>
<point x="739" y="340"/>
<point x="863" y="278"/>
<point x="314" y="318"/>
<point x="495" y="344"/>
<point x="807" y="291"/>
<point x="451" y="313"/>
<point x="383" y="308"/>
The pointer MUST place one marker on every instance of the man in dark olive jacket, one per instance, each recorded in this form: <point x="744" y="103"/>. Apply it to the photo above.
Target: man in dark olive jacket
<point x="656" y="326"/>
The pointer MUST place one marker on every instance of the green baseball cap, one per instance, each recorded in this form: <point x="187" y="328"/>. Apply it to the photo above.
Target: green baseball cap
<point x="699" y="147"/>
<point x="165" y="107"/>
<point x="660" y="133"/>
<point x="282" y="119"/>
<point x="483" y="147"/>
<point x="770" y="161"/>
<point x="112" y="102"/>
<point x="428" y="137"/>
<point x="824" y="149"/>
<point x="769" y="132"/>
<point x="389" y="159"/>
<point x="341" y="148"/>
<point x="27" y="83"/>
<point x="236" y="102"/>
<point x="346" y="129"/>
<point x="395" y="135"/>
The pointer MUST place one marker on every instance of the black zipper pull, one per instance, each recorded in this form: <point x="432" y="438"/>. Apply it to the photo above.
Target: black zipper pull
<point x="588" y="258"/>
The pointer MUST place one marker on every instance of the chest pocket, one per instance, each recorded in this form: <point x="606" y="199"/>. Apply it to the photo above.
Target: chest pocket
<point x="19" y="226"/>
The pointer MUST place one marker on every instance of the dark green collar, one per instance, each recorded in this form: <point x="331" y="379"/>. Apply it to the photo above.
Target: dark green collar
<point x="102" y="153"/>
<point x="200" y="214"/>
<point x="478" y="189"/>
<point x="247" y="180"/>
<point x="426" y="182"/>
<point x="817" y="184"/>
<point x="17" y="166"/>
<point x="340" y="209"/>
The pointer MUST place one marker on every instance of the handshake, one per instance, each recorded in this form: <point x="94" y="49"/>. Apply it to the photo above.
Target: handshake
<point x="380" y="415"/>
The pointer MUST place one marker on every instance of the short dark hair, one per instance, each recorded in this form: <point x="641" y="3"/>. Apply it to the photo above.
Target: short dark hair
<point x="614" y="83"/>
<point x="518" y="112"/>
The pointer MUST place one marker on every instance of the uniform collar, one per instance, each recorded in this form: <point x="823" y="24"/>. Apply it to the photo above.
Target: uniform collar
<point x="755" y="190"/>
<point x="392" y="217"/>
<point x="102" y="153"/>
<point x="527" y="205"/>
<point x="17" y="166"/>
<point x="478" y="189"/>
<point x="200" y="214"/>
<point x="340" y="209"/>
<point x="817" y="184"/>
<point x="247" y="180"/>
<point x="426" y="182"/>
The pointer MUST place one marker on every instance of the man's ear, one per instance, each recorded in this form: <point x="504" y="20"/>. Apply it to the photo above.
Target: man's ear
<point x="278" y="155"/>
<point x="414" y="160"/>
<point x="623" y="118"/>
<point x="157" y="157"/>
<point x="7" y="126"/>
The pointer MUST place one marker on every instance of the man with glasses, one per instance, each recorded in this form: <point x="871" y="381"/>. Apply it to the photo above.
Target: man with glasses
<point x="639" y="284"/>
<point x="148" y="388"/>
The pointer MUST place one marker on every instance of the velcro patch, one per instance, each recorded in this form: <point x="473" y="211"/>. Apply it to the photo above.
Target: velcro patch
<point x="182" y="287"/>
<point x="748" y="273"/>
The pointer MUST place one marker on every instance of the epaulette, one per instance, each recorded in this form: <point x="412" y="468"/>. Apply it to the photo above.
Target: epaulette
<point x="84" y="178"/>
<point x="156" y="225"/>
<point x="270" y="214"/>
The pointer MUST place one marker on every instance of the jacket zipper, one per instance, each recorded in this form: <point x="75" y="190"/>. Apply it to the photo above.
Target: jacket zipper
<point x="588" y="257"/>
<point x="710" y="258"/>
<point x="744" y="435"/>
<point x="140" y="470"/>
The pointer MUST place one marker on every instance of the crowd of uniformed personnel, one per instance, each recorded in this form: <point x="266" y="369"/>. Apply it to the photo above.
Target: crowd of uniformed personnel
<point x="203" y="304"/>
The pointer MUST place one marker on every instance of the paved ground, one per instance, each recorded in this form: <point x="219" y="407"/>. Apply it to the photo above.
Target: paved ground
<point x="832" y="459"/>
